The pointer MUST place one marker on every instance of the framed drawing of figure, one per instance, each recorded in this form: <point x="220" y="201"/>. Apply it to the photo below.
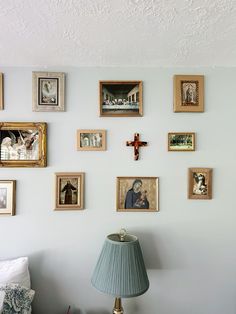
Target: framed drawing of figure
<point x="200" y="183"/>
<point x="69" y="191"/>
<point x="137" y="194"/>
<point x="48" y="91"/>
<point x="188" y="93"/>
<point x="7" y="197"/>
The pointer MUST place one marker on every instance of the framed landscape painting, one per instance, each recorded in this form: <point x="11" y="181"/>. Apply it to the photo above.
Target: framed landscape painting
<point x="23" y="144"/>
<point x="7" y="197"/>
<point x="181" y="141"/>
<point x="137" y="194"/>
<point x="200" y="183"/>
<point x="188" y="93"/>
<point x="69" y="191"/>
<point x="48" y="91"/>
<point x="1" y="92"/>
<point x="121" y="98"/>
<point x="91" y="140"/>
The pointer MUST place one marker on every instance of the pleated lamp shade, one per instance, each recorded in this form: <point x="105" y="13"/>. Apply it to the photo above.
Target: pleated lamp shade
<point x="120" y="270"/>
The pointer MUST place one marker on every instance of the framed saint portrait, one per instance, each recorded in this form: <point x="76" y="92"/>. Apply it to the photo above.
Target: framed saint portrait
<point x="188" y="93"/>
<point x="94" y="140"/>
<point x="7" y="197"/>
<point x="137" y="194"/>
<point x="48" y="91"/>
<point x="121" y="98"/>
<point x="23" y="144"/>
<point x="200" y="183"/>
<point x="69" y="191"/>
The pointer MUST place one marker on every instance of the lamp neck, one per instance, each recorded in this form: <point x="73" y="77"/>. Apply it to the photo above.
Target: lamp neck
<point x="118" y="309"/>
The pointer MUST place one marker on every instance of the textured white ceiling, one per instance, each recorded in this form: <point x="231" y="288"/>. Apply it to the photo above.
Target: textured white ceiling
<point x="118" y="32"/>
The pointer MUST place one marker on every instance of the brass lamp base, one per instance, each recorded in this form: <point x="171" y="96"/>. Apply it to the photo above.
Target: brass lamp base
<point x="118" y="309"/>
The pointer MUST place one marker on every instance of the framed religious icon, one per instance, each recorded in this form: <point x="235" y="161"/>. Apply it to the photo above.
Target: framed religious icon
<point x="121" y="98"/>
<point x="7" y="197"/>
<point x="48" y="91"/>
<point x="137" y="194"/>
<point x="91" y="140"/>
<point x="23" y="144"/>
<point x="69" y="191"/>
<point x="181" y="142"/>
<point x="200" y="183"/>
<point x="1" y="92"/>
<point x="188" y="93"/>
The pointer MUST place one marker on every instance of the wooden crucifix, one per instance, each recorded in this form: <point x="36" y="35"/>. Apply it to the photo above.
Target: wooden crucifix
<point x="136" y="143"/>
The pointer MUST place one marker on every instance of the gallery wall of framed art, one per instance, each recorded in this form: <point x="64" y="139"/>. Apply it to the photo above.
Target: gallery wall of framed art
<point x="177" y="197"/>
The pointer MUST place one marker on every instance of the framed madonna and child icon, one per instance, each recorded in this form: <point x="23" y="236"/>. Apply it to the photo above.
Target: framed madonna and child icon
<point x="137" y="194"/>
<point x="69" y="191"/>
<point x="188" y="93"/>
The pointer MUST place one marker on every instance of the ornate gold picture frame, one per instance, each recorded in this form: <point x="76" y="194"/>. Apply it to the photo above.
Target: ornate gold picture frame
<point x="188" y="93"/>
<point x="69" y="191"/>
<point x="23" y="144"/>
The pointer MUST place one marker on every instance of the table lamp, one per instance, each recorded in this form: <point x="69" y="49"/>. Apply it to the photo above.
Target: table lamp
<point x="120" y="270"/>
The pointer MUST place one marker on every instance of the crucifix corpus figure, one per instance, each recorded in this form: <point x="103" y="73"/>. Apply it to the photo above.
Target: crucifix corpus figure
<point x="136" y="143"/>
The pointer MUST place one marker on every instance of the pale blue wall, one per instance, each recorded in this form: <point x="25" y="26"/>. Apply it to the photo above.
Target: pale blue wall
<point x="189" y="246"/>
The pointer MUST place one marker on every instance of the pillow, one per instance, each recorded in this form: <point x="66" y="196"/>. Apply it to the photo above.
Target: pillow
<point x="17" y="299"/>
<point x="15" y="271"/>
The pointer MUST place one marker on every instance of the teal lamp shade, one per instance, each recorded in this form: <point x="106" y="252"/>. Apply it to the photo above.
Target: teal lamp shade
<point x="120" y="270"/>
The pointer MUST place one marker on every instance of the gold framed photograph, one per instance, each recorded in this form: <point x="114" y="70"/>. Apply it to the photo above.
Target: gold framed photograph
<point x="1" y="92"/>
<point x="23" y="144"/>
<point x="188" y="93"/>
<point x="200" y="183"/>
<point x="93" y="140"/>
<point x="69" y="191"/>
<point x="181" y="141"/>
<point x="7" y="197"/>
<point x="48" y="91"/>
<point x="121" y="98"/>
<point x="137" y="194"/>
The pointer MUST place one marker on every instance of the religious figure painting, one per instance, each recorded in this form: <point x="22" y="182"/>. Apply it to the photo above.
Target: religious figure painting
<point x="188" y="93"/>
<point x="93" y="140"/>
<point x="181" y="141"/>
<point x="200" y="183"/>
<point x="48" y="91"/>
<point x="137" y="194"/>
<point x="121" y="98"/>
<point x="69" y="191"/>
<point x="7" y="197"/>
<point x="23" y="144"/>
<point x="1" y="92"/>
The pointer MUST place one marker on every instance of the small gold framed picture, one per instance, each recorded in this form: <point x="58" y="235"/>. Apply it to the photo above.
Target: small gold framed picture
<point x="1" y="92"/>
<point x="181" y="141"/>
<point x="48" y="91"/>
<point x="137" y="194"/>
<point x="200" y="183"/>
<point x="188" y="93"/>
<point x="69" y="191"/>
<point x="121" y="98"/>
<point x="7" y="197"/>
<point x="91" y="140"/>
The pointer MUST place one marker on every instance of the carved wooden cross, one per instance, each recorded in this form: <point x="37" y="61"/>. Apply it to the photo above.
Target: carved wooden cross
<point x="136" y="143"/>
